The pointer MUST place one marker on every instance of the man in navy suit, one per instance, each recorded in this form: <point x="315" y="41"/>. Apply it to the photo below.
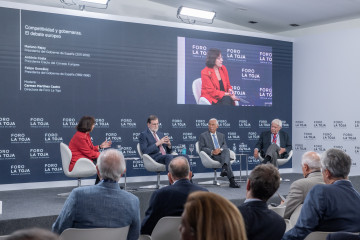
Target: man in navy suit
<point x="170" y="200"/>
<point x="333" y="206"/>
<point x="261" y="222"/>
<point x="103" y="205"/>
<point x="155" y="143"/>
<point x="273" y="144"/>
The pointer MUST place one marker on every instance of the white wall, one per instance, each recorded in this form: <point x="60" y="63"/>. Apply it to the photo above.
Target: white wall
<point x="326" y="89"/>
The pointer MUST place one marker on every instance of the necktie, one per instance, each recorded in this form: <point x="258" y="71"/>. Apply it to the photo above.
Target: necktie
<point x="162" y="150"/>
<point x="274" y="138"/>
<point x="216" y="143"/>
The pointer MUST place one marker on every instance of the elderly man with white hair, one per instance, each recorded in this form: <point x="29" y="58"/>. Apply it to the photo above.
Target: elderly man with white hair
<point x="103" y="205"/>
<point x="273" y="144"/>
<point x="333" y="206"/>
<point x="311" y="168"/>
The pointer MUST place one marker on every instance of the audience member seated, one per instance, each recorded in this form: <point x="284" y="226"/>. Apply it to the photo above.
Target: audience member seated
<point x="273" y="144"/>
<point x="103" y="205"/>
<point x="32" y="234"/>
<point x="262" y="223"/>
<point x="155" y="143"/>
<point x="170" y="200"/>
<point x="311" y="168"/>
<point x="332" y="206"/>
<point x="81" y="145"/>
<point x="343" y="236"/>
<point x="210" y="216"/>
<point x="213" y="144"/>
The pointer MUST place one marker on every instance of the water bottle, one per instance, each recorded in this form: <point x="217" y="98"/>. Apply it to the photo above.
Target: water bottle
<point x="183" y="151"/>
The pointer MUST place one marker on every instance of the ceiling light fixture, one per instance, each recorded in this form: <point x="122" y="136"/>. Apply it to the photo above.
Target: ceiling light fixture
<point x="191" y="15"/>
<point x="101" y="4"/>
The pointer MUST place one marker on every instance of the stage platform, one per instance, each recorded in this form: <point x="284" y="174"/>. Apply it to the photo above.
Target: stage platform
<point x="40" y="207"/>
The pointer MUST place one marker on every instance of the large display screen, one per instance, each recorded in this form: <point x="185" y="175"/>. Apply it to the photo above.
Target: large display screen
<point x="249" y="68"/>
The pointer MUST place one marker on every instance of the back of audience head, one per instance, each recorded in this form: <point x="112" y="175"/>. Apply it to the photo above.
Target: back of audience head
<point x="335" y="164"/>
<point x="111" y="164"/>
<point x="210" y="216"/>
<point x="33" y="234"/>
<point x="263" y="182"/>
<point x="179" y="169"/>
<point x="310" y="161"/>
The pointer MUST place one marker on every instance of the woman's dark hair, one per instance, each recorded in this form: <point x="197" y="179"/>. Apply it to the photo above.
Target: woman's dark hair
<point x="211" y="57"/>
<point x="85" y="124"/>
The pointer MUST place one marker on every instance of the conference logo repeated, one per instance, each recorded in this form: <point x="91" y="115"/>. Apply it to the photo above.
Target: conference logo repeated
<point x="38" y="153"/>
<point x="300" y="124"/>
<point x="252" y="136"/>
<point x="19" y="138"/>
<point x="52" y="138"/>
<point x="127" y="151"/>
<point x="101" y="123"/>
<point x="6" y="154"/>
<point x="17" y="170"/>
<point x="51" y="168"/>
<point x="244" y="124"/>
<point x="233" y="136"/>
<point x="300" y="147"/>
<point x="69" y="122"/>
<point x="178" y="123"/>
<point x="127" y="123"/>
<point x="113" y="137"/>
<point x="6" y="122"/>
<point x="201" y="123"/>
<point x="319" y="148"/>
<point x="264" y="124"/>
<point x="188" y="136"/>
<point x="36" y="122"/>
<point x="319" y="124"/>
<point x="224" y="124"/>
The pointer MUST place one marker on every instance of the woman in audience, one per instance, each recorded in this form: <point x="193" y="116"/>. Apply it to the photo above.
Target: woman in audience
<point x="208" y="216"/>
<point x="81" y="145"/>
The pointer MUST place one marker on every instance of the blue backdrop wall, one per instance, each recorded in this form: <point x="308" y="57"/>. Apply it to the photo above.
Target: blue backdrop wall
<point x="55" y="68"/>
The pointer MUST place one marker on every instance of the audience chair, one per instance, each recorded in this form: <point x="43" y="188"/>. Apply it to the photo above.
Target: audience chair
<point x="167" y="228"/>
<point x="152" y="166"/>
<point x="6" y="236"/>
<point x="95" y="233"/>
<point x="83" y="167"/>
<point x="278" y="209"/>
<point x="295" y="215"/>
<point x="281" y="161"/>
<point x="317" y="236"/>
<point x="210" y="163"/>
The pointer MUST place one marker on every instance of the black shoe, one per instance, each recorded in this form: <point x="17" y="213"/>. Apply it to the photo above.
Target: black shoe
<point x="223" y="172"/>
<point x="266" y="159"/>
<point x="233" y="184"/>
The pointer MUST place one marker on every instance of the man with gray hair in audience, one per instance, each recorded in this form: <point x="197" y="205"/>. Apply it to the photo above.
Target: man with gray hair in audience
<point x="333" y="206"/>
<point x="103" y="205"/>
<point x="311" y="168"/>
<point x="170" y="200"/>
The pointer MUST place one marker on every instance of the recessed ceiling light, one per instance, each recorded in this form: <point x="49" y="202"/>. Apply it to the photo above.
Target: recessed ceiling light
<point x="253" y="22"/>
<point x="294" y="25"/>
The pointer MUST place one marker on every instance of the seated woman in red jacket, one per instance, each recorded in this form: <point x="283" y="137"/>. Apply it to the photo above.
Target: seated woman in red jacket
<point x="215" y="85"/>
<point x="81" y="145"/>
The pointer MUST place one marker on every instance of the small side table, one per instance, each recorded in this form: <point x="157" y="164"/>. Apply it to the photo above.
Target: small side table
<point x="128" y="159"/>
<point x="247" y="166"/>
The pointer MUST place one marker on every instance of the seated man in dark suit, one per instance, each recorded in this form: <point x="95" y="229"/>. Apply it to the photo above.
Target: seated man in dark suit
<point x="261" y="222"/>
<point x="332" y="206"/>
<point x="273" y="144"/>
<point x="170" y="200"/>
<point x="213" y="144"/>
<point x="155" y="143"/>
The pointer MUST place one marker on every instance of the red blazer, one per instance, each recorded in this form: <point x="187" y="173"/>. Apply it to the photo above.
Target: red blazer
<point x="210" y="87"/>
<point x="81" y="146"/>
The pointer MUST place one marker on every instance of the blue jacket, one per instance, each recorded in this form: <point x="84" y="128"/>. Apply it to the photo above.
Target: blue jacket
<point x="328" y="208"/>
<point x="147" y="144"/>
<point x="100" y="206"/>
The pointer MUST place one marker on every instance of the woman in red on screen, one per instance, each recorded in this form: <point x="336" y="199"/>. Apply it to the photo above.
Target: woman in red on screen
<point x="215" y="85"/>
<point x="81" y="145"/>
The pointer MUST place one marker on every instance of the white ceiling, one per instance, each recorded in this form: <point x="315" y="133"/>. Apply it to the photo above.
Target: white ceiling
<point x="273" y="16"/>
